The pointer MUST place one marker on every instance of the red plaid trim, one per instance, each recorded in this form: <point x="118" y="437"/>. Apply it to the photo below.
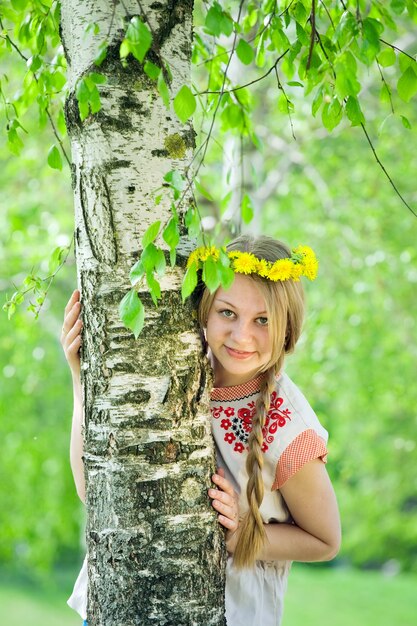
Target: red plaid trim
<point x="227" y="394"/>
<point x="306" y="447"/>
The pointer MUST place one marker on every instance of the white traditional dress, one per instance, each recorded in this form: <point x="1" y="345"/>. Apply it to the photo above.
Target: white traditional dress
<point x="293" y="436"/>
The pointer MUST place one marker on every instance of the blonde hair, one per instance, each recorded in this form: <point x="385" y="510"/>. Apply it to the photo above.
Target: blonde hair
<point x="285" y="307"/>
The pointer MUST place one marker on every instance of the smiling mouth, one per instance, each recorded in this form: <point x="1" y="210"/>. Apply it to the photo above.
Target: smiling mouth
<point x="239" y="354"/>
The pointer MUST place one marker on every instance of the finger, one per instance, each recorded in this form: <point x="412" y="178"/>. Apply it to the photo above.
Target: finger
<point x="71" y="317"/>
<point x="222" y="496"/>
<point x="74" y="298"/>
<point x="74" y="347"/>
<point x="223" y="484"/>
<point x="220" y="471"/>
<point x="228" y="523"/>
<point x="228" y="509"/>
<point x="73" y="333"/>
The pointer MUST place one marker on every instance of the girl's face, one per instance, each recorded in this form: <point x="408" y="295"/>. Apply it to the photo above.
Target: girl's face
<point x="237" y="333"/>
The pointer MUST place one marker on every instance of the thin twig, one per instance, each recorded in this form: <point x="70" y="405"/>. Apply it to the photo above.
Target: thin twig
<point x="313" y="33"/>
<point x="391" y="45"/>
<point x="378" y="160"/>
<point x="221" y="92"/>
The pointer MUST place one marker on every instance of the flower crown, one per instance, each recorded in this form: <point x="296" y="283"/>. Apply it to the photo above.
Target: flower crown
<point x="302" y="262"/>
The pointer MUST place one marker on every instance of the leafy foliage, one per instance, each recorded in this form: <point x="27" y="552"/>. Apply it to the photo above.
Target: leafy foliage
<point x="321" y="188"/>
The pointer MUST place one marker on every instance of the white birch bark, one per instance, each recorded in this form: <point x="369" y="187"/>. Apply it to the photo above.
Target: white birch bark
<point x="156" y="554"/>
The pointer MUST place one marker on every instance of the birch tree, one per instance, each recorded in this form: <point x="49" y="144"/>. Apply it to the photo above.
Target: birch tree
<point x="155" y="553"/>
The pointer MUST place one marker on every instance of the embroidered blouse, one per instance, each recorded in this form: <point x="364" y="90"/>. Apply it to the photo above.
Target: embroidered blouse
<point x="292" y="436"/>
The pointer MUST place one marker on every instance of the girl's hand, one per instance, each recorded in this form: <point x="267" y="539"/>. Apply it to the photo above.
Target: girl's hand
<point x="71" y="333"/>
<point x="225" y="500"/>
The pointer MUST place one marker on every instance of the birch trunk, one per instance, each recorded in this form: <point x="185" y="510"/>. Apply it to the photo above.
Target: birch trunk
<point x="156" y="554"/>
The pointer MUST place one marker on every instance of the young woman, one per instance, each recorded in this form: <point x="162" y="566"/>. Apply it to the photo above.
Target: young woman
<point x="273" y="494"/>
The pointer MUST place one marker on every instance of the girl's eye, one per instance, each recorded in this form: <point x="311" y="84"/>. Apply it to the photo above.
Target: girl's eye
<point x="226" y="313"/>
<point x="263" y="321"/>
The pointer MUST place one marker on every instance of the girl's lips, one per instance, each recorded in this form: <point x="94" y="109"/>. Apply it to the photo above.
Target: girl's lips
<point x="237" y="354"/>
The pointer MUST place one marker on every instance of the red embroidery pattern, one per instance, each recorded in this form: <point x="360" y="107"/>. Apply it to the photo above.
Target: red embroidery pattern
<point x="238" y="427"/>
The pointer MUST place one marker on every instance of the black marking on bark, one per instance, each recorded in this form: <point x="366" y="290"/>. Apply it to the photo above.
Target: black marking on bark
<point x="160" y="153"/>
<point x="72" y="115"/>
<point x="98" y="218"/>
<point x="112" y="226"/>
<point x="64" y="45"/>
<point x="133" y="397"/>
<point x="84" y="211"/>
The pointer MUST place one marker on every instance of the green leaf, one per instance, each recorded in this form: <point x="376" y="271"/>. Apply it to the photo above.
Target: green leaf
<point x="354" y="112"/>
<point x="210" y="274"/>
<point x="331" y="114"/>
<point x="171" y="234"/>
<point x="98" y="79"/>
<point x="154" y="288"/>
<point x="245" y="52"/>
<point x="137" y="272"/>
<point x="139" y="37"/>
<point x="224" y="202"/>
<point x="101" y="53"/>
<point x="131" y="312"/>
<point x="34" y="63"/>
<point x="218" y="21"/>
<point x="54" y="158"/>
<point x="124" y="49"/>
<point x="151" y="70"/>
<point x="192" y="222"/>
<point x="317" y="102"/>
<point x="189" y="282"/>
<point x="246" y="210"/>
<point x="226" y="274"/>
<point x="176" y="181"/>
<point x="163" y="90"/>
<point x="387" y="57"/>
<point x="184" y="104"/>
<point x="19" y="5"/>
<point x="151" y="233"/>
<point x="95" y="102"/>
<point x="407" y="84"/>
<point x="160" y="263"/>
<point x="14" y="141"/>
<point x="55" y="259"/>
<point x="398" y="6"/>
<point x="204" y="192"/>
<point x="406" y="122"/>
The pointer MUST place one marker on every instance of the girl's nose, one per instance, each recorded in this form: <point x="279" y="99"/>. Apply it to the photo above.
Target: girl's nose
<point x="240" y="332"/>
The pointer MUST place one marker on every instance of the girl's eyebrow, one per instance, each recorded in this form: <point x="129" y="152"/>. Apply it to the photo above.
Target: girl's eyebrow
<point x="234" y="307"/>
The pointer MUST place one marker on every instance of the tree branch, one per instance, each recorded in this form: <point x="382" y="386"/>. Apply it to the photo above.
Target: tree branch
<point x="386" y="173"/>
<point x="313" y="33"/>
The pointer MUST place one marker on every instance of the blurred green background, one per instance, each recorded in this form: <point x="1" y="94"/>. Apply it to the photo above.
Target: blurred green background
<point x="356" y="361"/>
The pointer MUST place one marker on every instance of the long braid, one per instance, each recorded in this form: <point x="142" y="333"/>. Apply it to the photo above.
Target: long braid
<point x="251" y="529"/>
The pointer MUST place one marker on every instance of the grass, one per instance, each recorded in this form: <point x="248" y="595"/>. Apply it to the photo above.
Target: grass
<point x="348" y="597"/>
<point x="316" y="597"/>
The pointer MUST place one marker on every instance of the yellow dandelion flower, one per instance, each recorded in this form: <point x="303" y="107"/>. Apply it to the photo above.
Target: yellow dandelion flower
<point x="245" y="263"/>
<point x="206" y="251"/>
<point x="193" y="258"/>
<point x="263" y="268"/>
<point x="310" y="268"/>
<point x="297" y="271"/>
<point x="234" y="254"/>
<point x="281" y="270"/>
